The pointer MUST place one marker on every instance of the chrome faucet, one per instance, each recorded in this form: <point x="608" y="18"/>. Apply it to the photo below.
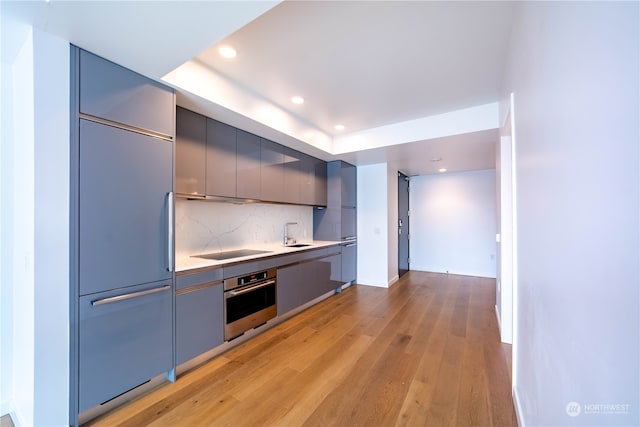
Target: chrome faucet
<point x="286" y="239"/>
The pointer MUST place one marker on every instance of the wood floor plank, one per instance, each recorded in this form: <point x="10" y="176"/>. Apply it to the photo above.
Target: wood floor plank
<point x="424" y="352"/>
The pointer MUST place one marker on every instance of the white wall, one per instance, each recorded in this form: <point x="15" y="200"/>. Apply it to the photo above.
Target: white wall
<point x="373" y="224"/>
<point x="34" y="225"/>
<point x="453" y="223"/>
<point x="392" y="224"/>
<point x="574" y="69"/>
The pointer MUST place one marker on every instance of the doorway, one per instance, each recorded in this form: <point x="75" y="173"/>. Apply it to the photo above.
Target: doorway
<point x="403" y="224"/>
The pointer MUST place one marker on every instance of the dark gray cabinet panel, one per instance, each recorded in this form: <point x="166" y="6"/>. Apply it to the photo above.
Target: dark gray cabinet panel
<point x="349" y="263"/>
<point x="248" y="166"/>
<point x="301" y="283"/>
<point x="294" y="179"/>
<point x="307" y="180"/>
<point x="199" y="320"/>
<point x="338" y="220"/>
<point x="112" y="92"/>
<point x="348" y="223"/>
<point x="125" y="178"/>
<point x="187" y="279"/>
<point x="221" y="159"/>
<point x="271" y="171"/>
<point x="191" y="149"/>
<point x="320" y="182"/>
<point x="123" y="343"/>
<point x="348" y="187"/>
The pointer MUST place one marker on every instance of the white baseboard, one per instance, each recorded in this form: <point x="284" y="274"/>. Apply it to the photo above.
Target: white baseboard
<point x="458" y="273"/>
<point x="518" y="407"/>
<point x="5" y="407"/>
<point x="393" y="280"/>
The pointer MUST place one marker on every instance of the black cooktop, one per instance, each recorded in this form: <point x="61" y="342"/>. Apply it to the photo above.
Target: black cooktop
<point x="219" y="256"/>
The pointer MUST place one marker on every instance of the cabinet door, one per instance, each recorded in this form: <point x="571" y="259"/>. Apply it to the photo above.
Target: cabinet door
<point x="348" y="181"/>
<point x="199" y="320"/>
<point x="248" y="166"/>
<point x="271" y="171"/>
<point x="294" y="177"/>
<point x="112" y="92"/>
<point x="298" y="284"/>
<point x="221" y="159"/>
<point x="191" y="149"/>
<point x="291" y="283"/>
<point x="307" y="180"/>
<point x="348" y="223"/>
<point x="349" y="266"/>
<point x="320" y="183"/>
<point x="126" y="338"/>
<point x="125" y="180"/>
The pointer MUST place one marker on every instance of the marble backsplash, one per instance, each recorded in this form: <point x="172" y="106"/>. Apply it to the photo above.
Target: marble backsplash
<point x="204" y="226"/>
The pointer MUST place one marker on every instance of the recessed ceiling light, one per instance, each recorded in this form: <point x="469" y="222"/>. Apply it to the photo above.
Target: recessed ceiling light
<point x="436" y="159"/>
<point x="339" y="127"/>
<point x="297" y="100"/>
<point x="442" y="170"/>
<point x="227" y="52"/>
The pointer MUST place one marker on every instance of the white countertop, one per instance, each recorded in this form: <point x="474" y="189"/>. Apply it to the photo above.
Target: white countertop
<point x="189" y="262"/>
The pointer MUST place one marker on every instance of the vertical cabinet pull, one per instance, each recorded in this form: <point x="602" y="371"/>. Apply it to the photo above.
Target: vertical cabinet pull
<point x="170" y="251"/>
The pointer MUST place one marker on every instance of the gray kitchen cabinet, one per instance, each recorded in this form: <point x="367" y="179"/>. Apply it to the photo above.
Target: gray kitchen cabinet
<point x="241" y="165"/>
<point x="191" y="151"/>
<point x="199" y="319"/>
<point x="121" y="230"/>
<point x="221" y="160"/>
<point x="348" y="185"/>
<point x="248" y="166"/>
<point x="338" y="220"/>
<point x="125" y="180"/>
<point x="349" y="262"/>
<point x="300" y="283"/>
<point x="271" y="171"/>
<point x="313" y="181"/>
<point x="109" y="91"/>
<point x="320" y="182"/>
<point x="125" y="339"/>
<point x="294" y="179"/>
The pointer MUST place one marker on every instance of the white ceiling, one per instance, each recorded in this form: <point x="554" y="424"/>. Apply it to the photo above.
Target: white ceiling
<point x="362" y="64"/>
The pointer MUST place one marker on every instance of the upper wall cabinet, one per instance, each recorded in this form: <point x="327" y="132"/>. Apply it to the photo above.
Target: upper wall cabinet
<point x="215" y="159"/>
<point x="112" y="92"/>
<point x="314" y="181"/>
<point x="271" y="171"/>
<point x="191" y="150"/>
<point x="221" y="159"/>
<point x="348" y="187"/>
<point x="248" y="166"/>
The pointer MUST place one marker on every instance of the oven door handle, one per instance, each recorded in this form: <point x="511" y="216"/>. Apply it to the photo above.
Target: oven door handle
<point x="252" y="288"/>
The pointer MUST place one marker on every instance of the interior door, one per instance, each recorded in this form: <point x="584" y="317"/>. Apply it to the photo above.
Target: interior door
<point x="403" y="224"/>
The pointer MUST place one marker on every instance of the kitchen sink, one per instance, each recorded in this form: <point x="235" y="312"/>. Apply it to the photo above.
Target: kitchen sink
<point x="299" y="245"/>
<point x="219" y="256"/>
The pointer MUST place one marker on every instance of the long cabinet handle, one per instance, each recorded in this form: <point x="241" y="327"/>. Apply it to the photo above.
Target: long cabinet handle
<point x="349" y="238"/>
<point x="252" y="288"/>
<point x="130" y="296"/>
<point x="349" y="245"/>
<point x="170" y="221"/>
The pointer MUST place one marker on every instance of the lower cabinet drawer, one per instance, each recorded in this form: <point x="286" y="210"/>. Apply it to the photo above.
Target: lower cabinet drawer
<point x="126" y="339"/>
<point x="303" y="282"/>
<point x="199" y="320"/>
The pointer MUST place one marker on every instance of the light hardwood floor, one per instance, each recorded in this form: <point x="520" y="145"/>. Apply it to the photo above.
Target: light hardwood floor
<point x="424" y="352"/>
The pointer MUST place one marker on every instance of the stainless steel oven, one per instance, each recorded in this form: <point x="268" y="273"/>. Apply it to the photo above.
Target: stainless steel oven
<point x="249" y="301"/>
